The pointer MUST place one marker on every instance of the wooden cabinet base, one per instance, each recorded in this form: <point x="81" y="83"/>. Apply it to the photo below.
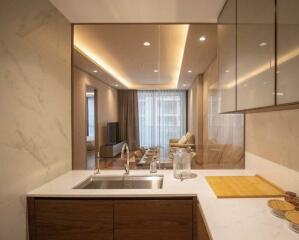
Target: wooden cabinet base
<point x="119" y="219"/>
<point x="202" y="230"/>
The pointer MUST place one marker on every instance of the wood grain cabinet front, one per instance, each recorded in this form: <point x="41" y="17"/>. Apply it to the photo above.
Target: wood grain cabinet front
<point x="107" y="219"/>
<point x="61" y="219"/>
<point x="153" y="219"/>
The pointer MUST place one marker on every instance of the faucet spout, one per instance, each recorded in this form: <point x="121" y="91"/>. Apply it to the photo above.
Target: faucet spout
<point x="124" y="149"/>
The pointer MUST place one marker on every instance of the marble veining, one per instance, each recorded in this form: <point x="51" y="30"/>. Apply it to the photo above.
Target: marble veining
<point x="35" y="105"/>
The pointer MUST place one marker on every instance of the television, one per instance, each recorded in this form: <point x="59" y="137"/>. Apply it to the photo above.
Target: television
<point x="112" y="133"/>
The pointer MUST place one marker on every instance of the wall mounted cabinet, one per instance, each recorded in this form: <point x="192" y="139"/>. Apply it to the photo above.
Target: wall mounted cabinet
<point x="287" y="51"/>
<point x="266" y="54"/>
<point x="255" y="53"/>
<point x="227" y="56"/>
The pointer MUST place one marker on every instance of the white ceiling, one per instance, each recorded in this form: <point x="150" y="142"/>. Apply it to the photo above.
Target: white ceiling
<point x="140" y="11"/>
<point x="117" y="52"/>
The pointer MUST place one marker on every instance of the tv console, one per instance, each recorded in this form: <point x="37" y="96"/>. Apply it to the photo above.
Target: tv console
<point x="111" y="150"/>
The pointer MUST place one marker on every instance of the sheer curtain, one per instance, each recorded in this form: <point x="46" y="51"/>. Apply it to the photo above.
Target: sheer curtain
<point x="162" y="115"/>
<point x="90" y="118"/>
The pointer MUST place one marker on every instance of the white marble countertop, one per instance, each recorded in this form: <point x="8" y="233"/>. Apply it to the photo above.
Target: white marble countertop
<point x="226" y="218"/>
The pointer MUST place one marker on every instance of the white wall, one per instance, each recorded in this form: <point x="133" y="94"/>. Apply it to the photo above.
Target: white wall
<point x="35" y="105"/>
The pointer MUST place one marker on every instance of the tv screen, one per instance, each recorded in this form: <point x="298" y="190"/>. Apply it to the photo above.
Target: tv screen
<point x="112" y="133"/>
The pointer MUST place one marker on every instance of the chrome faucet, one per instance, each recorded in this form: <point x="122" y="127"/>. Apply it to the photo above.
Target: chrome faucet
<point x="127" y="160"/>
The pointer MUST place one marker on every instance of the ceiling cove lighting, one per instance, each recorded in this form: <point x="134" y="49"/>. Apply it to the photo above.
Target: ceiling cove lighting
<point x="184" y="29"/>
<point x="146" y="44"/>
<point x="101" y="63"/>
<point x="202" y="38"/>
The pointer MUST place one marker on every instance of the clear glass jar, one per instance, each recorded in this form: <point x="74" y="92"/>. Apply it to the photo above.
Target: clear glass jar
<point x="182" y="163"/>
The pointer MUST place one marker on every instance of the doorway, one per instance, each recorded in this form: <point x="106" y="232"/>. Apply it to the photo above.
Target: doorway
<point x="91" y="126"/>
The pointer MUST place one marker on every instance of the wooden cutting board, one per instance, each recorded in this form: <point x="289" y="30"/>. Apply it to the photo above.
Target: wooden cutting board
<point x="243" y="187"/>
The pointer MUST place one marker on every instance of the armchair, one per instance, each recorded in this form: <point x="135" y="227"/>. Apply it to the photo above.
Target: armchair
<point x="186" y="141"/>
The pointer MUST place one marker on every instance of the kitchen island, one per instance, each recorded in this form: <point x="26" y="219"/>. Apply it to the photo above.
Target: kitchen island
<point x="217" y="219"/>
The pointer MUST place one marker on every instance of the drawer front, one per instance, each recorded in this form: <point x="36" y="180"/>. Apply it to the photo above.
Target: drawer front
<point x="153" y="219"/>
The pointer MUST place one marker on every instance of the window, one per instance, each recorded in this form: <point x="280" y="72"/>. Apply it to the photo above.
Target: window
<point x="90" y="116"/>
<point x="162" y="115"/>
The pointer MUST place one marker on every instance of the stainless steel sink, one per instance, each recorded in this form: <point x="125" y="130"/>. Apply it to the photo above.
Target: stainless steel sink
<point x="122" y="182"/>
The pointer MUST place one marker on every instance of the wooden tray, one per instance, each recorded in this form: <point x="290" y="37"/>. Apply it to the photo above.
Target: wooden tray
<point x="243" y="187"/>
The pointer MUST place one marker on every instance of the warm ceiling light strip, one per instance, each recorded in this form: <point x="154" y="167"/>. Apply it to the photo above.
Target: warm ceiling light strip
<point x="101" y="63"/>
<point x="284" y="58"/>
<point x="184" y="34"/>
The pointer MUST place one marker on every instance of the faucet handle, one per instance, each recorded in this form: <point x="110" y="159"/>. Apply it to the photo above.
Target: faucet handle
<point x="97" y="168"/>
<point x="127" y="169"/>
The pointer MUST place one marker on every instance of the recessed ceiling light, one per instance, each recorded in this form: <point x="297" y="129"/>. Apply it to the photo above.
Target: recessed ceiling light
<point x="189" y="71"/>
<point x="146" y="44"/>
<point x="184" y="85"/>
<point x="156" y="70"/>
<point x="116" y="85"/>
<point x="263" y="44"/>
<point x="95" y="71"/>
<point x="227" y="70"/>
<point x="202" y="38"/>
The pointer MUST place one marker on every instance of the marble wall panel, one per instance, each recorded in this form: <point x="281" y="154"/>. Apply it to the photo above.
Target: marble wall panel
<point x="274" y="136"/>
<point x="35" y="105"/>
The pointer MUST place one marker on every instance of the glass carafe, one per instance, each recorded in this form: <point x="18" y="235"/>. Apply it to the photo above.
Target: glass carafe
<point x="182" y="164"/>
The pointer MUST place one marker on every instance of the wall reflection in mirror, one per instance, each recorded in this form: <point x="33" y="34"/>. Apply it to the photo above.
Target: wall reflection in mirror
<point x="90" y="125"/>
<point x="151" y="81"/>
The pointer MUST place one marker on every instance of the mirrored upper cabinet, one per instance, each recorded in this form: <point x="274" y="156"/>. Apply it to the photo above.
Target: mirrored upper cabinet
<point x="287" y="51"/>
<point x="227" y="56"/>
<point x="255" y="53"/>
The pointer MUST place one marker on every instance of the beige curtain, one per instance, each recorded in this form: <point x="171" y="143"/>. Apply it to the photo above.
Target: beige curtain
<point x="128" y="117"/>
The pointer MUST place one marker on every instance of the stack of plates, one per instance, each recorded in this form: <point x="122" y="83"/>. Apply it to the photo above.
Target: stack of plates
<point x="293" y="218"/>
<point x="280" y="207"/>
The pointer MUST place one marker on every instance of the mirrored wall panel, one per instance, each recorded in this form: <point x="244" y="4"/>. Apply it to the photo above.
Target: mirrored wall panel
<point x="287" y="51"/>
<point x="227" y="56"/>
<point x="255" y="53"/>
<point x="223" y="133"/>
